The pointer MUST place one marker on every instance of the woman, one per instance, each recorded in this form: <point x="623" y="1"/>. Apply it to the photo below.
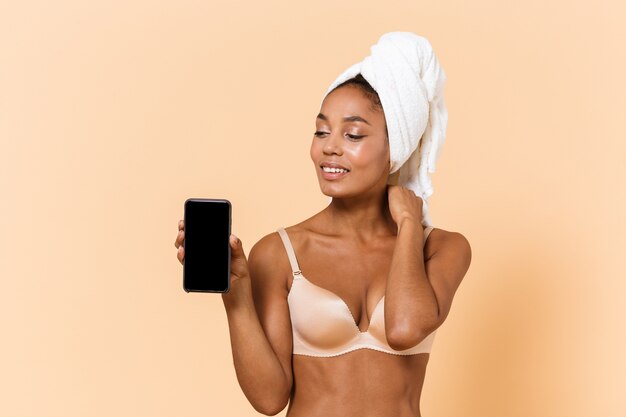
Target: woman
<point x="335" y="315"/>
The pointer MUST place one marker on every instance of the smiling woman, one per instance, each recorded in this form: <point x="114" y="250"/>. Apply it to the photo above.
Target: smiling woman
<point x="353" y="338"/>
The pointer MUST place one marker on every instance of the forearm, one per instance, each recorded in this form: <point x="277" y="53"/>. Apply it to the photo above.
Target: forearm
<point x="258" y="369"/>
<point x="411" y="307"/>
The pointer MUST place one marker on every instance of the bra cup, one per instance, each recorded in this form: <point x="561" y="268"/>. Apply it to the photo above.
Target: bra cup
<point x="320" y="318"/>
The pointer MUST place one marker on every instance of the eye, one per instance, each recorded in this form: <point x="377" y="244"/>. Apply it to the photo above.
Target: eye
<point x="354" y="136"/>
<point x="319" y="133"/>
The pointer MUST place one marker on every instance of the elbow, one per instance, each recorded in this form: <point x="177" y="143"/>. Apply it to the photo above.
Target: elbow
<point x="271" y="411"/>
<point x="270" y="407"/>
<point x="402" y="339"/>
<point x="270" y="397"/>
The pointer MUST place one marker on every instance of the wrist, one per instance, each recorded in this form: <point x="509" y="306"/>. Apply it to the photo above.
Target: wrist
<point x="239" y="294"/>
<point x="409" y="222"/>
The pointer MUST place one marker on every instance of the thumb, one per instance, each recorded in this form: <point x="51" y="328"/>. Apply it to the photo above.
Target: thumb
<point x="239" y="263"/>
<point x="235" y="244"/>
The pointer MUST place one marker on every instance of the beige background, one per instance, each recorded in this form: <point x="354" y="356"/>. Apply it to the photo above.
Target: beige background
<point x="113" y="113"/>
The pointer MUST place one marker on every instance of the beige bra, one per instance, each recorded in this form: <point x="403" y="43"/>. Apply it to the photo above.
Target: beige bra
<point x="323" y="325"/>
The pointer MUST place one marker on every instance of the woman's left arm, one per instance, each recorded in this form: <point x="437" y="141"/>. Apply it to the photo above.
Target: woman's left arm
<point x="419" y="293"/>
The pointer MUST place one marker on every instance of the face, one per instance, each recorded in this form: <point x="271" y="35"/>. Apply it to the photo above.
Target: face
<point x="350" y="134"/>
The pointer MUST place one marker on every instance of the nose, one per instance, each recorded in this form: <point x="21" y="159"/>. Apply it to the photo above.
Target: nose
<point x="333" y="144"/>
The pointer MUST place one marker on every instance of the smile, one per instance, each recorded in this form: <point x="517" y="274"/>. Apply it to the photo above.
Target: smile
<point x="328" y="169"/>
<point x="333" y="173"/>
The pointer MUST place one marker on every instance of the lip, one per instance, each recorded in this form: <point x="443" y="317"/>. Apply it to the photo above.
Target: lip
<point x="333" y="175"/>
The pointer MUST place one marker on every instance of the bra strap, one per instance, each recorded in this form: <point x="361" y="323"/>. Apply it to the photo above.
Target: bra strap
<point x="290" y="252"/>
<point x="427" y="232"/>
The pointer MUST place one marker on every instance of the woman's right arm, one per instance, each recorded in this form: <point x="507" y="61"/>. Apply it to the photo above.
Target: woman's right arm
<point x="260" y="327"/>
<point x="259" y="323"/>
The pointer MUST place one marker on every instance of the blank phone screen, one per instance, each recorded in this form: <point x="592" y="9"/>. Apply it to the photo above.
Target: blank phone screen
<point x="206" y="265"/>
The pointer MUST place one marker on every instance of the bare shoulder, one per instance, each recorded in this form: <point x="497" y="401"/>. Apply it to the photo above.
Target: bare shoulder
<point x="266" y="249"/>
<point x="268" y="260"/>
<point x="450" y="241"/>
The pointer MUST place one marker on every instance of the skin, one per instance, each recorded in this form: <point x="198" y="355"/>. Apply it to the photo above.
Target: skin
<point x="350" y="249"/>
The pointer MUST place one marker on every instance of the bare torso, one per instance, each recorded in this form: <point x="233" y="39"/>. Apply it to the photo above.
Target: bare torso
<point x="363" y="382"/>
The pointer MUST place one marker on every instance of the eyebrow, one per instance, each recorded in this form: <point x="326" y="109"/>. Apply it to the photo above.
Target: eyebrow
<point x="346" y="119"/>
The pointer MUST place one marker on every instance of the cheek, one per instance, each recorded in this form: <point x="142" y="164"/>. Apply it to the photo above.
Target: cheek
<point x="367" y="156"/>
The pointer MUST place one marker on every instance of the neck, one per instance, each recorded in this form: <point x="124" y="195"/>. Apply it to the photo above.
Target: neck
<point x="366" y="216"/>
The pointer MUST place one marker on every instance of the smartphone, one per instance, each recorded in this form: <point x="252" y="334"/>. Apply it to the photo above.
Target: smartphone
<point x="206" y="267"/>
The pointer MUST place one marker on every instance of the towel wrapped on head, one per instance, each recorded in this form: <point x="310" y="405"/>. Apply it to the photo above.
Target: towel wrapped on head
<point x="406" y="74"/>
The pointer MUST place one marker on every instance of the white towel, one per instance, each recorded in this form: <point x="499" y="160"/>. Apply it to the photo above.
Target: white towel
<point x="406" y="74"/>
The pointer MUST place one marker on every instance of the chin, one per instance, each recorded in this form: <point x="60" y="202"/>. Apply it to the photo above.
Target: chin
<point x="338" y="194"/>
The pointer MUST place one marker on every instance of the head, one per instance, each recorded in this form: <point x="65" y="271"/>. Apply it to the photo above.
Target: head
<point x="351" y="131"/>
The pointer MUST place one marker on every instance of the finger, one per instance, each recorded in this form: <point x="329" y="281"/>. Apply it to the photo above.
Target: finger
<point x="237" y="247"/>
<point x="181" y="254"/>
<point x="181" y="225"/>
<point x="179" y="238"/>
